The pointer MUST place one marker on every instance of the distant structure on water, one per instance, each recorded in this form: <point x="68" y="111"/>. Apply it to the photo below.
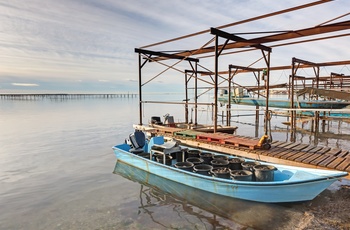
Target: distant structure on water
<point x="64" y="96"/>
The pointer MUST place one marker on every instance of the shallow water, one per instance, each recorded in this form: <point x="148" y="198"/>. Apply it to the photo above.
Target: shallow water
<point x="56" y="166"/>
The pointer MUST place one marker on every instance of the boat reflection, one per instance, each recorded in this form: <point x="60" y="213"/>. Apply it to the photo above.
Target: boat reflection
<point x="196" y="207"/>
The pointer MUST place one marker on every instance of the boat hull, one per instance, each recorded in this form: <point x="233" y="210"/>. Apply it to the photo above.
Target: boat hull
<point x="271" y="192"/>
<point x="287" y="103"/>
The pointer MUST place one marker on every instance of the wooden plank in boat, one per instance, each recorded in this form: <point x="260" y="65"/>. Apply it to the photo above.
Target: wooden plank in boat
<point x="300" y="147"/>
<point x="187" y="133"/>
<point x="335" y="162"/>
<point x="333" y="152"/>
<point x="345" y="165"/>
<point x="327" y="161"/>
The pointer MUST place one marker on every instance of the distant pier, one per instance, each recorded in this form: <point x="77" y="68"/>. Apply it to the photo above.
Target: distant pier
<point x="65" y="96"/>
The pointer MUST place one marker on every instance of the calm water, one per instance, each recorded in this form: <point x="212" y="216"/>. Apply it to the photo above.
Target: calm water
<point x="56" y="166"/>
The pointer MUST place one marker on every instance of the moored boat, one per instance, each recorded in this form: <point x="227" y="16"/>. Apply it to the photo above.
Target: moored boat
<point x="169" y="122"/>
<point x="280" y="183"/>
<point x="284" y="103"/>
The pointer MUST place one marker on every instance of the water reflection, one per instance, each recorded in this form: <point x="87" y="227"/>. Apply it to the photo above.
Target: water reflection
<point x="163" y="200"/>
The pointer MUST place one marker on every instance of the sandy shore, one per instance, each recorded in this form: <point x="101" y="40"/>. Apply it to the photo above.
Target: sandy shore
<point x="331" y="210"/>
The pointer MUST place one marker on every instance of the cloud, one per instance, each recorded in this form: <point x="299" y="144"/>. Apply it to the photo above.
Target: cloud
<point x="25" y="84"/>
<point x="95" y="39"/>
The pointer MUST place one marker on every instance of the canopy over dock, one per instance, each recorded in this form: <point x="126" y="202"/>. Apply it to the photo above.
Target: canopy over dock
<point x="227" y="43"/>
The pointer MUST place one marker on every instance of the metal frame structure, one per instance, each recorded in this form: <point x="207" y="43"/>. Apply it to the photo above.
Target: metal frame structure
<point x="233" y="41"/>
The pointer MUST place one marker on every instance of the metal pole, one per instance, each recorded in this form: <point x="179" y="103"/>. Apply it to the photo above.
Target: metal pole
<point x="216" y="83"/>
<point x="186" y="98"/>
<point x="267" y="94"/>
<point x="140" y="91"/>
<point x="196" y="96"/>
<point x="257" y="110"/>
<point x="228" y="118"/>
<point x="292" y="118"/>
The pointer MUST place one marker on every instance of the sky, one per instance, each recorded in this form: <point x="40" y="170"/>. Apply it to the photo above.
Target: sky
<point x="88" y="45"/>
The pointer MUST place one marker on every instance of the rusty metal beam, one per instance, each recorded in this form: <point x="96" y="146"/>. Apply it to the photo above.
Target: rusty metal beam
<point x="236" y="38"/>
<point x="275" y="38"/>
<point x="309" y="63"/>
<point x="165" y="55"/>
<point x="286" y="67"/>
<point x="244" y="21"/>
<point x="282" y="44"/>
<point x="249" y="69"/>
<point x="200" y="72"/>
<point x="254" y="88"/>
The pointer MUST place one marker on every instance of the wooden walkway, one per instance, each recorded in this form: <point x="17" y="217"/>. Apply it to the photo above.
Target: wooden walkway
<point x="281" y="152"/>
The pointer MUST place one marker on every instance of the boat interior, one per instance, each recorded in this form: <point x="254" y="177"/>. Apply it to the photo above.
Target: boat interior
<point x="170" y="153"/>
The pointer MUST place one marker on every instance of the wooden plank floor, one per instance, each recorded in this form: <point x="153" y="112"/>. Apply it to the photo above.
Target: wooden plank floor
<point x="167" y="130"/>
<point x="187" y="133"/>
<point x="315" y="156"/>
<point x="216" y="137"/>
<point x="240" y="141"/>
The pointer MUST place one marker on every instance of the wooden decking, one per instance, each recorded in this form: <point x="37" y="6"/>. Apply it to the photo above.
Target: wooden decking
<point x="313" y="155"/>
<point x="281" y="152"/>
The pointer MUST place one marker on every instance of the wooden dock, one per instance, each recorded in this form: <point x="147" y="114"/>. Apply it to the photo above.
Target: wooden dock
<point x="65" y="96"/>
<point x="288" y="153"/>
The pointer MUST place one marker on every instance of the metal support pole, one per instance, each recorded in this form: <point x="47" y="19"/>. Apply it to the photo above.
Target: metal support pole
<point x="292" y="113"/>
<point x="228" y="115"/>
<point x="140" y="91"/>
<point x="257" y="110"/>
<point x="216" y="83"/>
<point x="196" y="96"/>
<point x="267" y="93"/>
<point x="186" y="98"/>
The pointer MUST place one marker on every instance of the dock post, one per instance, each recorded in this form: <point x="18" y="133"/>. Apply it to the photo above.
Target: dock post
<point x="186" y="98"/>
<point x="140" y="91"/>
<point x="216" y="83"/>
<point x="228" y="106"/>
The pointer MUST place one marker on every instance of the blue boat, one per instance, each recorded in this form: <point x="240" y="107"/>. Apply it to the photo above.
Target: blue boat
<point x="283" y="183"/>
<point x="284" y="103"/>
